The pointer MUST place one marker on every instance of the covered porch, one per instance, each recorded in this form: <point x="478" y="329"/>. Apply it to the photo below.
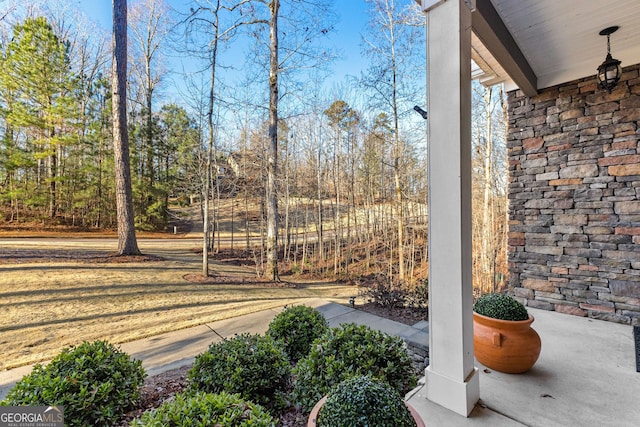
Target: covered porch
<point x="585" y="376"/>
<point x="574" y="214"/>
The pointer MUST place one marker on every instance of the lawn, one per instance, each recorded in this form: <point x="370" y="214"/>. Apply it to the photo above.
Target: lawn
<point x="55" y="294"/>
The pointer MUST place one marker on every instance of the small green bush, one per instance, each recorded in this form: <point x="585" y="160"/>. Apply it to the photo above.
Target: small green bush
<point x="500" y="306"/>
<point x="204" y="410"/>
<point x="95" y="382"/>
<point x="347" y="351"/>
<point x="296" y="327"/>
<point x="363" y="401"/>
<point x="254" y="366"/>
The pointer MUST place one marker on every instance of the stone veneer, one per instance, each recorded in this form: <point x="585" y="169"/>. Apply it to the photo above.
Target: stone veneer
<point x="574" y="198"/>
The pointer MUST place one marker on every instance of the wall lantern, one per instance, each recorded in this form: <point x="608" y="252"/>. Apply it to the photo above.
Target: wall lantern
<point x="609" y="71"/>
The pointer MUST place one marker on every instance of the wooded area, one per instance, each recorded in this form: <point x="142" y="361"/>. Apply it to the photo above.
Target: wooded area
<point x="337" y="176"/>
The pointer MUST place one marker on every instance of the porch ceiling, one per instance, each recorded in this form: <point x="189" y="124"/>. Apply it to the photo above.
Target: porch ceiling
<point x="557" y="41"/>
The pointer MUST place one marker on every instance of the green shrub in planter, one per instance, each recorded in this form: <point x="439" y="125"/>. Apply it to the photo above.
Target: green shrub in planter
<point x="500" y="306"/>
<point x="254" y="366"/>
<point x="347" y="351"/>
<point x="364" y="401"/>
<point x="95" y="382"/>
<point x="296" y="327"/>
<point x="204" y="410"/>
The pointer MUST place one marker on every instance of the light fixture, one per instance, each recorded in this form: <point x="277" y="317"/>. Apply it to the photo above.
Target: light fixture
<point x="421" y="112"/>
<point x="609" y="71"/>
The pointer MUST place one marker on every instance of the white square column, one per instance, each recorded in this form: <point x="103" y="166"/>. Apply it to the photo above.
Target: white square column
<point x="452" y="379"/>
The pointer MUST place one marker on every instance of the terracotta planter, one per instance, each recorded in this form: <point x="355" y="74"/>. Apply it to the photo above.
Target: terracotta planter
<point x="505" y="345"/>
<point x="313" y="416"/>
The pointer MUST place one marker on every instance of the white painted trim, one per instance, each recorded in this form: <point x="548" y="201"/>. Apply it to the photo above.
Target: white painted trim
<point x="459" y="396"/>
<point x="428" y="5"/>
<point x="451" y="378"/>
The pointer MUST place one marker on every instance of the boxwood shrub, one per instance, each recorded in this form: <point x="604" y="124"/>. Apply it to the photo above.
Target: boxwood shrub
<point x="350" y="350"/>
<point x="364" y="401"/>
<point x="500" y="306"/>
<point x="204" y="410"/>
<point x="254" y="366"/>
<point x="296" y="327"/>
<point x="95" y="382"/>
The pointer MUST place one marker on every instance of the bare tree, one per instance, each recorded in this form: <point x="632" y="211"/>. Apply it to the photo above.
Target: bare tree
<point x="150" y="25"/>
<point x="394" y="31"/>
<point x="127" y="243"/>
<point x="487" y="249"/>
<point x="250" y="16"/>
<point x="344" y="120"/>
<point x="207" y="17"/>
<point x="489" y="203"/>
<point x="272" y="153"/>
<point x="214" y="23"/>
<point x="305" y="22"/>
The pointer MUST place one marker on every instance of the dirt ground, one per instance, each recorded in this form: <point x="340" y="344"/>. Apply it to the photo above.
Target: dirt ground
<point x="61" y="290"/>
<point x="57" y="292"/>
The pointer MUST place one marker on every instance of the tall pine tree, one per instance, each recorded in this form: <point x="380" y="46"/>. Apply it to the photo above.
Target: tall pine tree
<point x="37" y="71"/>
<point x="127" y="242"/>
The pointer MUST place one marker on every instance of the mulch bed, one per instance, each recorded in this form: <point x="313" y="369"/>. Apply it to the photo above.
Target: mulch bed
<point x="406" y="315"/>
<point x="163" y="387"/>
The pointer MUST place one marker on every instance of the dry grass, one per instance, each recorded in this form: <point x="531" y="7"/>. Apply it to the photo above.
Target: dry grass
<point x="47" y="306"/>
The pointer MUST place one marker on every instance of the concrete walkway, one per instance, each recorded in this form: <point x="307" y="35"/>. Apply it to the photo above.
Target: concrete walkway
<point x="585" y="375"/>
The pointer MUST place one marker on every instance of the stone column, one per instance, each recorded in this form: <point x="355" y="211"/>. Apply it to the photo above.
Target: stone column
<point x="452" y="379"/>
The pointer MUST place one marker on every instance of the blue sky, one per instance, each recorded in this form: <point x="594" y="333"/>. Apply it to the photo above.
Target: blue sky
<point x="352" y="19"/>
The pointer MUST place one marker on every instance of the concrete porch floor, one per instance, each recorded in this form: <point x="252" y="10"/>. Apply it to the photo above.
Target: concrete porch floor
<point x="585" y="376"/>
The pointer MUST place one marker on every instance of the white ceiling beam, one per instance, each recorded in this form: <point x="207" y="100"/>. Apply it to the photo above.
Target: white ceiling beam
<point x="493" y="33"/>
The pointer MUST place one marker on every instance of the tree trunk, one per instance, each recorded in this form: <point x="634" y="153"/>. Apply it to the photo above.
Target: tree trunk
<point x="272" y="167"/>
<point x="320" y="207"/>
<point x="210" y="149"/>
<point x="205" y="215"/>
<point x="127" y="243"/>
<point x="487" y="208"/>
<point x="397" y="155"/>
<point x="53" y="170"/>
